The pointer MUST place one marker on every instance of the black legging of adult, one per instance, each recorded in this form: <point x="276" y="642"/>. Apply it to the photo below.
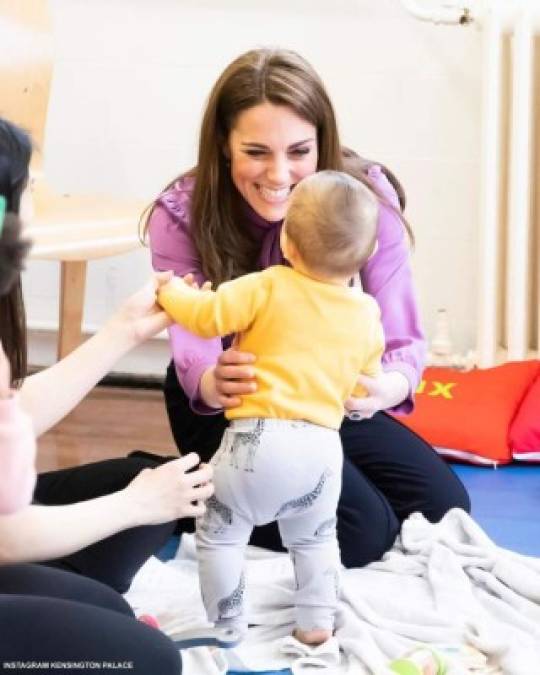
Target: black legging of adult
<point x="389" y="472"/>
<point x="115" y="560"/>
<point x="56" y="618"/>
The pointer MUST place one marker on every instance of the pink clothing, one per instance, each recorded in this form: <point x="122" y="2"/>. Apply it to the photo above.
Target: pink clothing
<point x="17" y="456"/>
<point x="387" y="277"/>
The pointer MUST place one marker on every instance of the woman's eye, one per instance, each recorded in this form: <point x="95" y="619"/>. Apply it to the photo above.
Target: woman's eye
<point x="299" y="152"/>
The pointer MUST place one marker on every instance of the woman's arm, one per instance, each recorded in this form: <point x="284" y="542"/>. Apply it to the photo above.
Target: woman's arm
<point x="387" y="276"/>
<point x="155" y="496"/>
<point x="138" y="319"/>
<point x="17" y="447"/>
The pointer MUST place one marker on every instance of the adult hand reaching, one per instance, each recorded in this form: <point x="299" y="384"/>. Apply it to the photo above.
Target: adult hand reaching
<point x="140" y="317"/>
<point x="233" y="375"/>
<point x="170" y="491"/>
<point x="384" y="391"/>
<point x="154" y="496"/>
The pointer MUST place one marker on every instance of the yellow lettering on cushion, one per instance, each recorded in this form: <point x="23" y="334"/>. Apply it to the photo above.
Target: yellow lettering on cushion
<point x="442" y="389"/>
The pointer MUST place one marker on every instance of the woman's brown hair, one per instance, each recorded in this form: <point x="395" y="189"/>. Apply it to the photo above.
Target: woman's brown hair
<point x="15" y="153"/>
<point x="279" y="77"/>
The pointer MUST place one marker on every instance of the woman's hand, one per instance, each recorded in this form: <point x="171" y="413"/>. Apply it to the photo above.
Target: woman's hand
<point x="155" y="496"/>
<point x="233" y="375"/>
<point x="140" y="317"/>
<point x="170" y="491"/>
<point x="384" y="391"/>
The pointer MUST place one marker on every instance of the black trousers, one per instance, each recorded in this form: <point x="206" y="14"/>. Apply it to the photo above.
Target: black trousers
<point x="389" y="472"/>
<point x="54" y="618"/>
<point x="115" y="560"/>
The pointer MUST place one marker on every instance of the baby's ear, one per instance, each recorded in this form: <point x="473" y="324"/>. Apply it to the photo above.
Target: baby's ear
<point x="290" y="252"/>
<point x="284" y="241"/>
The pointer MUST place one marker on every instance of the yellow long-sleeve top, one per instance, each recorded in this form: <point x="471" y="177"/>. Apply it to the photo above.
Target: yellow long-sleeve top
<point x="311" y="339"/>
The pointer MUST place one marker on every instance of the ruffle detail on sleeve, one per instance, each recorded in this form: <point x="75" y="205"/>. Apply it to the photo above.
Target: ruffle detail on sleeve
<point x="177" y="199"/>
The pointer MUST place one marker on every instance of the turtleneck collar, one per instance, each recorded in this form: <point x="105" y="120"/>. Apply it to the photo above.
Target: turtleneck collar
<point x="257" y="220"/>
<point x="268" y="233"/>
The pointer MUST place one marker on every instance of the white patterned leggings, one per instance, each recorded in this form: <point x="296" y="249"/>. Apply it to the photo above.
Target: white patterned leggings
<point x="266" y="470"/>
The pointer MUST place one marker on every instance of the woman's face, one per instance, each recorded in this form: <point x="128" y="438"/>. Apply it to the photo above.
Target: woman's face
<point x="271" y="149"/>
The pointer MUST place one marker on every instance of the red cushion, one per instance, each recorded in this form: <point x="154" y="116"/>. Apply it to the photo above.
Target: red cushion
<point x="525" y="430"/>
<point x="468" y="414"/>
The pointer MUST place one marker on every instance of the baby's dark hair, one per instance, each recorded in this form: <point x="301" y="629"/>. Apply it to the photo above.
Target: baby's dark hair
<point x="332" y="221"/>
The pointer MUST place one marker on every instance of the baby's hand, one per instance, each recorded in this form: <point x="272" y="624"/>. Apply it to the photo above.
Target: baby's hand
<point x="189" y="280"/>
<point x="161" y="279"/>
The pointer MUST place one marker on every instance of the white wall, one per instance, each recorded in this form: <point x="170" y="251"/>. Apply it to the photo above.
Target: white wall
<point x="131" y="78"/>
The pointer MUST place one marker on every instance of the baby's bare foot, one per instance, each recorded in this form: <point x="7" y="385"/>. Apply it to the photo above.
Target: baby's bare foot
<point x="312" y="637"/>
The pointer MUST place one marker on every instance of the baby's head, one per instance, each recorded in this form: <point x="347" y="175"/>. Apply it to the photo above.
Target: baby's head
<point x="331" y="223"/>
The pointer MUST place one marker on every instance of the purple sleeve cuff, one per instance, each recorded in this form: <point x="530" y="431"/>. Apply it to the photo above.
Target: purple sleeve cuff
<point x="191" y="382"/>
<point x="192" y="355"/>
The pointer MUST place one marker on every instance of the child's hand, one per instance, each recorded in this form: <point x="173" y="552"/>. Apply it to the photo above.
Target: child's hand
<point x="384" y="391"/>
<point x="162" y="279"/>
<point x="189" y="280"/>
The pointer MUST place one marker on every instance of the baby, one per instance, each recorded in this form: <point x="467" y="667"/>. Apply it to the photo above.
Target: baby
<point x="281" y="458"/>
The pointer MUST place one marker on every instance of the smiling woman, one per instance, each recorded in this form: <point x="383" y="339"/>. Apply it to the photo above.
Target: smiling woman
<point x="270" y="149"/>
<point x="268" y="124"/>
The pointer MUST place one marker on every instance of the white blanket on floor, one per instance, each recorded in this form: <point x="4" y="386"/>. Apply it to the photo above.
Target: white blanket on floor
<point x="446" y="584"/>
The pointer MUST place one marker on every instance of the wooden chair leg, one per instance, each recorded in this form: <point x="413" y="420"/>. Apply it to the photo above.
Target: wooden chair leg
<point x="72" y="287"/>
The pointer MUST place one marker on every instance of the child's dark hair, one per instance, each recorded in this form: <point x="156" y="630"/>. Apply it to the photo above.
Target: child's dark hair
<point x="15" y="153"/>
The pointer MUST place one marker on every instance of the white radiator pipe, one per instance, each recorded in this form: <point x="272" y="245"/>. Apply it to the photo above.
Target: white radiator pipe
<point x="455" y="12"/>
<point x="445" y="12"/>
<point x="521" y="20"/>
<point x="489" y="272"/>
<point x="519" y="215"/>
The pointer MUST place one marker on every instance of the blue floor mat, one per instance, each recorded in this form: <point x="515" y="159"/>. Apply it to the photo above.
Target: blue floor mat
<point x="505" y="503"/>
